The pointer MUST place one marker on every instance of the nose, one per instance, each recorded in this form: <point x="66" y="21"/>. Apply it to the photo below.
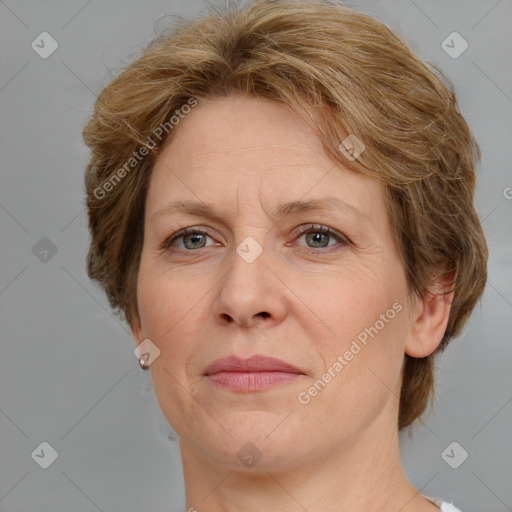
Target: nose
<point x="250" y="294"/>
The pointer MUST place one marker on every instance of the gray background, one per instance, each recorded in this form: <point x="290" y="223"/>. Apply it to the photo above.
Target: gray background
<point x="67" y="372"/>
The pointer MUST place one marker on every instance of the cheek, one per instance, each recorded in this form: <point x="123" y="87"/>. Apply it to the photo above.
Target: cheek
<point x="167" y="318"/>
<point x="367" y="323"/>
<point x="347" y="306"/>
<point x="359" y="379"/>
<point x="165" y="304"/>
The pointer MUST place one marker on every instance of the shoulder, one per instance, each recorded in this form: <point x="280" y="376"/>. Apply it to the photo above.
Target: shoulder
<point x="448" y="507"/>
<point x="443" y="505"/>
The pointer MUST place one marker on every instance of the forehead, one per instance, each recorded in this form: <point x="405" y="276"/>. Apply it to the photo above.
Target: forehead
<point x="233" y="129"/>
<point x="247" y="148"/>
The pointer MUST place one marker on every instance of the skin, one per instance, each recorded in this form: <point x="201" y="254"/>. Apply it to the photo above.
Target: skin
<point x="302" y="300"/>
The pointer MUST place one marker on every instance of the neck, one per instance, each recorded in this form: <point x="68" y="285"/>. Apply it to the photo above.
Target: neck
<point x="363" y="472"/>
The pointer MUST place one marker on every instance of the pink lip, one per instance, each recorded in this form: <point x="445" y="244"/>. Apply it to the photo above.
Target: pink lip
<point x="254" y="374"/>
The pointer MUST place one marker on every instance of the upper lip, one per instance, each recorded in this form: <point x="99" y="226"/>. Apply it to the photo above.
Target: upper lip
<point x="256" y="363"/>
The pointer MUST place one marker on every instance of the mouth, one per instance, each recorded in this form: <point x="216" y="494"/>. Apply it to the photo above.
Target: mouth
<point x="250" y="375"/>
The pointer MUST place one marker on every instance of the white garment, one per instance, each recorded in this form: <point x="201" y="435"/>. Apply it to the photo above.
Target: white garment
<point x="443" y="505"/>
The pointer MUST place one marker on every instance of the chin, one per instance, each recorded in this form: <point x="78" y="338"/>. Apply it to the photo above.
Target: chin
<point x="259" y="442"/>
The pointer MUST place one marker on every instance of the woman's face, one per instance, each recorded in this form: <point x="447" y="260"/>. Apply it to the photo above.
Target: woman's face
<point x="254" y="282"/>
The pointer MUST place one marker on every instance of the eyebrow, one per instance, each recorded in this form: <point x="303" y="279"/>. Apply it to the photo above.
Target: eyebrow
<point x="323" y="204"/>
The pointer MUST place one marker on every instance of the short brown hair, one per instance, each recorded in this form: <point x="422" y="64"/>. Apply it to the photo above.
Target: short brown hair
<point x="345" y="73"/>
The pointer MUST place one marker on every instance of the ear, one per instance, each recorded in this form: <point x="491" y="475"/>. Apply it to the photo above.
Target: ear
<point x="430" y="316"/>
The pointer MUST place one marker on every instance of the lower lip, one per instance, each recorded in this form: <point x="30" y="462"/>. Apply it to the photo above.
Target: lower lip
<point x="251" y="381"/>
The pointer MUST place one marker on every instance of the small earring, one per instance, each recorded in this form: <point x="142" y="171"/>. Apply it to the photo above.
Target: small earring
<point x="142" y="363"/>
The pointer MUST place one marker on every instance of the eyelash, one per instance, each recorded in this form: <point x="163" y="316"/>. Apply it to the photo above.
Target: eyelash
<point x="312" y="228"/>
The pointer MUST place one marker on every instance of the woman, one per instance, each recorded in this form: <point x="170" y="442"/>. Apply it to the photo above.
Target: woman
<point x="280" y="201"/>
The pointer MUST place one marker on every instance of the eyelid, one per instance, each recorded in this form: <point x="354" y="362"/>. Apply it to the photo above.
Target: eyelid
<point x="300" y="230"/>
<point x="166" y="244"/>
<point x="321" y="228"/>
